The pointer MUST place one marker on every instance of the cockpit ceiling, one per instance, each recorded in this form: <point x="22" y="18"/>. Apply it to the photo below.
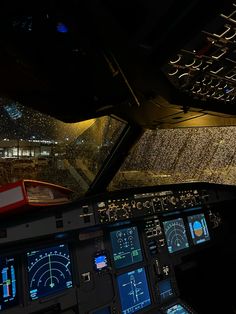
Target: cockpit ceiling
<point x="159" y="113"/>
<point x="160" y="64"/>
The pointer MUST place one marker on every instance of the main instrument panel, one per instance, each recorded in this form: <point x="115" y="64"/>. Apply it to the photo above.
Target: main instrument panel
<point x="111" y="253"/>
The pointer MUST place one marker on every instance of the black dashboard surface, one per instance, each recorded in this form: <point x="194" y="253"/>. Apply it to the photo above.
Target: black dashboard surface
<point x="138" y="250"/>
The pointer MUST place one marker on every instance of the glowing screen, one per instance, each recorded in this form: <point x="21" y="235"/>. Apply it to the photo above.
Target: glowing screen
<point x="100" y="262"/>
<point x="175" y="233"/>
<point x="198" y="228"/>
<point x="165" y="289"/>
<point x="49" y="271"/>
<point x="7" y="282"/>
<point x="133" y="290"/>
<point x="177" y="309"/>
<point x="126" y="247"/>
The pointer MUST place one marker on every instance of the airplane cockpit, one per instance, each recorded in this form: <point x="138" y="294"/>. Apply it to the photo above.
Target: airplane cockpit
<point x="117" y="157"/>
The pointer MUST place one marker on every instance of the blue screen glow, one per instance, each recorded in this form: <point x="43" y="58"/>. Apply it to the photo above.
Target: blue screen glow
<point x="133" y="290"/>
<point x="175" y="233"/>
<point x="177" y="309"/>
<point x="100" y="262"/>
<point x="126" y="247"/>
<point x="198" y="228"/>
<point x="165" y="289"/>
<point x="49" y="271"/>
<point x="8" y="290"/>
<point x="62" y="28"/>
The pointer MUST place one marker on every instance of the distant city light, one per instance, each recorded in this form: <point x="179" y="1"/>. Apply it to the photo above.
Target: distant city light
<point x="43" y="141"/>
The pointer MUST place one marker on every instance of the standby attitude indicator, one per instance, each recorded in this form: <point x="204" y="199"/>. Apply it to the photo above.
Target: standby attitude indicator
<point x="198" y="228"/>
<point x="49" y="271"/>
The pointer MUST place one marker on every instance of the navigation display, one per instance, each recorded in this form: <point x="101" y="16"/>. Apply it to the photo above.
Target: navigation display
<point x="165" y="289"/>
<point x="126" y="247"/>
<point x="176" y="309"/>
<point x="8" y="290"/>
<point x="49" y="271"/>
<point x="198" y="228"/>
<point x="175" y="233"/>
<point x="133" y="290"/>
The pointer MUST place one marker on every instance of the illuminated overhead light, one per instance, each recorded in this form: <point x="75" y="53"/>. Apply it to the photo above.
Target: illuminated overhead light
<point x="62" y="28"/>
<point x="218" y="97"/>
<point x="176" y="71"/>
<point x="198" y="65"/>
<point x="222" y="34"/>
<point x="206" y="66"/>
<point x="231" y="98"/>
<point x="205" y="82"/>
<point x="227" y="90"/>
<point x="229" y="17"/>
<point x="184" y="74"/>
<point x="177" y="60"/>
<point x="230" y="37"/>
<point x="209" y="82"/>
<point x="190" y="64"/>
<point x="217" y="71"/>
<point x="199" y="73"/>
<point x="204" y="93"/>
<point x="232" y="77"/>
<point x="222" y="52"/>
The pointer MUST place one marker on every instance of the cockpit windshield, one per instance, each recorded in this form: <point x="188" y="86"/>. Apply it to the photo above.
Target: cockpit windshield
<point x="36" y="146"/>
<point x="167" y="156"/>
